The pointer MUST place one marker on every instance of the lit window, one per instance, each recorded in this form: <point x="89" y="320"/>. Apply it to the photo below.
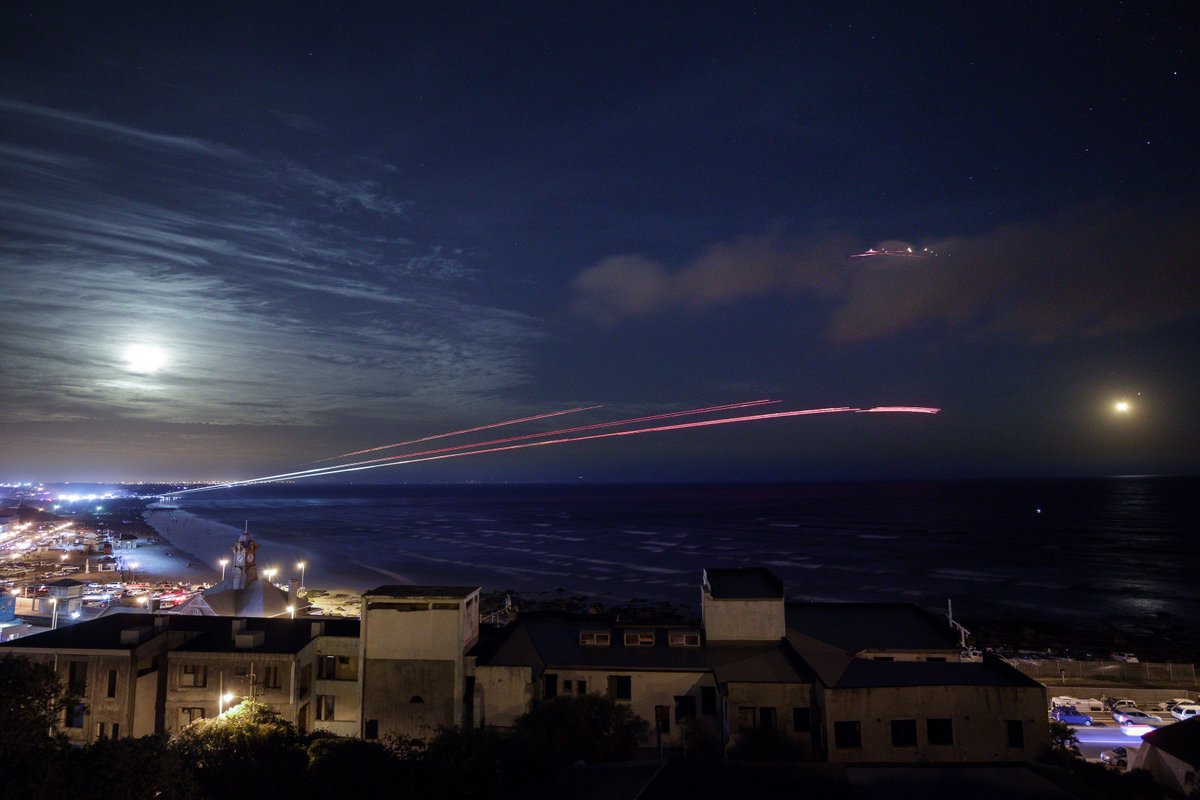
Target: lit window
<point x="684" y="639"/>
<point x="639" y="638"/>
<point x="595" y="638"/>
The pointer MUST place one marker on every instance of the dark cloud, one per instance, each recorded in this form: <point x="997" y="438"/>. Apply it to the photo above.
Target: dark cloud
<point x="1092" y="271"/>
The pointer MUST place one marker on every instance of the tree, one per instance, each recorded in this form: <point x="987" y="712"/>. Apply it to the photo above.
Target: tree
<point x="247" y="752"/>
<point x="331" y="759"/>
<point x="129" y="769"/>
<point x="589" y="728"/>
<point x="32" y="700"/>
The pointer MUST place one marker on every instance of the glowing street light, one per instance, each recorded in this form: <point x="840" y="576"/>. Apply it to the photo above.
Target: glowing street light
<point x="292" y="611"/>
<point x="54" y="616"/>
<point x="223" y="562"/>
<point x="301" y="565"/>
<point x="225" y="698"/>
<point x="271" y="574"/>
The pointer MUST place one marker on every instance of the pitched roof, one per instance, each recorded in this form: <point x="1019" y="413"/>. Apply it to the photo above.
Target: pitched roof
<point x="854" y="627"/>
<point x="1180" y="739"/>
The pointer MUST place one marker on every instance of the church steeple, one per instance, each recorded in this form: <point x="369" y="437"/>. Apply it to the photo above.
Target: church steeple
<point x="245" y="567"/>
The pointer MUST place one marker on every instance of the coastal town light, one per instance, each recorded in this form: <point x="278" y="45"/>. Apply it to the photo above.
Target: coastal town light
<point x="223" y="562"/>
<point x="54" y="616"/>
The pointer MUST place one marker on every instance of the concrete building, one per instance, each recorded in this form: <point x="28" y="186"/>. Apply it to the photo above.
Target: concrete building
<point x="414" y="675"/>
<point x="1172" y="755"/>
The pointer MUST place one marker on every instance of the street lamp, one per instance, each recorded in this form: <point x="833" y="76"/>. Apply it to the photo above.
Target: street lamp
<point x="301" y="565"/>
<point x="271" y="574"/>
<point x="225" y="698"/>
<point x="223" y="562"/>
<point x="292" y="611"/>
<point x="133" y="565"/>
<point x="54" y="616"/>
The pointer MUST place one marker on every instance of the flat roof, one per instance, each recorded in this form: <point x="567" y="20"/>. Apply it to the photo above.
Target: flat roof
<point x="854" y="627"/>
<point x="396" y="590"/>
<point x="745" y="583"/>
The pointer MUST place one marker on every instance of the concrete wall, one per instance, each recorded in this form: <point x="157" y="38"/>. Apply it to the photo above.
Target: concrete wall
<point x="742" y="620"/>
<point x="389" y="689"/>
<point x="502" y="694"/>
<point x="783" y="697"/>
<point x="978" y="715"/>
<point x="227" y="673"/>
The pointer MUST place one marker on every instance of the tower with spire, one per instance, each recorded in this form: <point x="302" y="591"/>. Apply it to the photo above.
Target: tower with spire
<point x="245" y="566"/>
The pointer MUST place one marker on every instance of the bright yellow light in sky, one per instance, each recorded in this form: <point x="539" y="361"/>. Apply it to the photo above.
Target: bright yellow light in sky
<point x="144" y="358"/>
<point x="1122" y="407"/>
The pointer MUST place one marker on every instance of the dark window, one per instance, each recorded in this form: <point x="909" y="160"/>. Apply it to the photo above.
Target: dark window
<point x="77" y="678"/>
<point x="801" y="720"/>
<point x="847" y="734"/>
<point x="580" y="687"/>
<point x="708" y="700"/>
<point x="116" y="730"/>
<point x="766" y="718"/>
<point x="372" y="729"/>
<point x="904" y="733"/>
<point x="325" y="706"/>
<point x="112" y="683"/>
<point x="75" y="716"/>
<point x="549" y="685"/>
<point x="595" y="638"/>
<point x="1016" y="732"/>
<point x="193" y="675"/>
<point x="662" y="719"/>
<point x="746" y="718"/>
<point x="939" y="731"/>
<point x="189" y="715"/>
<point x="568" y="685"/>
<point x="685" y="707"/>
<point x="935" y="658"/>
<point x="884" y="658"/>
<point x="271" y="678"/>
<point x="620" y="687"/>
<point x="416" y="700"/>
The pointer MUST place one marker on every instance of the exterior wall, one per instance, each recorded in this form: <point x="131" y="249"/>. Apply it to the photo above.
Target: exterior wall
<point x="742" y="620"/>
<point x="411" y="697"/>
<point x="341" y="686"/>
<point x="502" y="694"/>
<point x="227" y="673"/>
<point x="782" y="697"/>
<point x="912" y="655"/>
<point x="1171" y="771"/>
<point x="978" y="717"/>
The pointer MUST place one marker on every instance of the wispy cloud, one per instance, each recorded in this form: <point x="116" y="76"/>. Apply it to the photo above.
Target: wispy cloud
<point x="269" y="312"/>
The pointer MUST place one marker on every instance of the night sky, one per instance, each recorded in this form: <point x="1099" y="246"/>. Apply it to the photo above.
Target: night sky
<point x="238" y="237"/>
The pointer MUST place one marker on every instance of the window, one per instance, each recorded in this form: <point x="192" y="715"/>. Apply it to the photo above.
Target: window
<point x="639" y="638"/>
<point x="595" y="638"/>
<point x="939" y="731"/>
<point x="847" y="734"/>
<point x="116" y="730"/>
<point x="801" y="720"/>
<point x="1016" y="732"/>
<point x="935" y="658"/>
<point x="580" y="687"/>
<point x="766" y="718"/>
<point x="189" y="715"/>
<point x="747" y="717"/>
<point x="77" y="677"/>
<point x="684" y="639"/>
<point x="325" y="706"/>
<point x="904" y="733"/>
<point x="568" y="685"/>
<point x="620" y="687"/>
<point x="662" y="719"/>
<point x="444" y="606"/>
<point x="337" y="668"/>
<point x="101" y="731"/>
<point x="549" y="685"/>
<point x="112" y="683"/>
<point x="271" y="678"/>
<point x="416" y="700"/>
<point x="685" y="707"/>
<point x="371" y="730"/>
<point x="194" y="675"/>
<point x="75" y="716"/>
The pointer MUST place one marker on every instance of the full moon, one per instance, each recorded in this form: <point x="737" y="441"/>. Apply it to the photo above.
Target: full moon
<point x="1122" y="407"/>
<point x="143" y="358"/>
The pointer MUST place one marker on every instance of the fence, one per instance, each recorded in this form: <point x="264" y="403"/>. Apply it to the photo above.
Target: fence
<point x="1115" y="672"/>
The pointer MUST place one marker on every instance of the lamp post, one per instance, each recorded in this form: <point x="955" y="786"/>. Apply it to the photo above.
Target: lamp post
<point x="271" y="574"/>
<point x="223" y="562"/>
<point x="301" y="565"/>
<point x="292" y="611"/>
<point x="54" y="616"/>
<point x="225" y="698"/>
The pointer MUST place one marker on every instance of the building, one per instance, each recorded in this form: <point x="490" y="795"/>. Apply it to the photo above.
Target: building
<point x="139" y="673"/>
<point x="845" y="683"/>
<point x="1172" y="755"/>
<point x="242" y="593"/>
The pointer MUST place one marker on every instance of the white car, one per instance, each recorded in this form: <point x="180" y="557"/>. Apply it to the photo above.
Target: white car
<point x="1134" y="716"/>
<point x="1128" y="658"/>
<point x="1167" y="705"/>
<point x="1185" y="711"/>
<point x="1118" y="757"/>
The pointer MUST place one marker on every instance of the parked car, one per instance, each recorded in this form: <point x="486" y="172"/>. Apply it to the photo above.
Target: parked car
<point x="1120" y="702"/>
<point x="1128" y="658"/>
<point x="1070" y="715"/>
<point x="1134" y="716"/>
<point x="1167" y="705"/>
<point x="1117" y="757"/>
<point x="1185" y="711"/>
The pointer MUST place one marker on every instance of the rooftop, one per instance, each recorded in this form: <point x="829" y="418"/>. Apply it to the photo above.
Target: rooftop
<point x="854" y="627"/>
<point x="456" y="592"/>
<point x="747" y="583"/>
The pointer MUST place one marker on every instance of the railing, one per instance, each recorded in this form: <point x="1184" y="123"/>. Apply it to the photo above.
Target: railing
<point x="1107" y="671"/>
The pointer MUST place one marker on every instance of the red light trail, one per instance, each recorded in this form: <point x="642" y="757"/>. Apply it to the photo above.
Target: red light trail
<point x="504" y="445"/>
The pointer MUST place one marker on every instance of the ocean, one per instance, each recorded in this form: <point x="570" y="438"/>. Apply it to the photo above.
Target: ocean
<point x="1116" y="552"/>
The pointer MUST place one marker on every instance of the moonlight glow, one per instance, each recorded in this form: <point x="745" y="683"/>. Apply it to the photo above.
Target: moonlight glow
<point x="144" y="359"/>
<point x="1122" y="407"/>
